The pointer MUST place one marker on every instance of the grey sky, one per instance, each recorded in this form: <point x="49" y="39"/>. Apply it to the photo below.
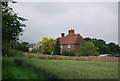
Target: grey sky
<point x="90" y="19"/>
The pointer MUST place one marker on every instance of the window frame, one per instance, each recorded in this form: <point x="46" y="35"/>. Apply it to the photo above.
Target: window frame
<point x="69" y="45"/>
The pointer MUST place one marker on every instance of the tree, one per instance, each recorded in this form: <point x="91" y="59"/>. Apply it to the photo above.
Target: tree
<point x="88" y="48"/>
<point x="100" y="44"/>
<point x="114" y="49"/>
<point x="57" y="47"/>
<point x="87" y="39"/>
<point x="21" y="46"/>
<point x="111" y="48"/>
<point x="105" y="49"/>
<point x="12" y="27"/>
<point x="47" y="45"/>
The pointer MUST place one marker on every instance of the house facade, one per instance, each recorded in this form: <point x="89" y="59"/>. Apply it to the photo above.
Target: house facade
<point x="37" y="46"/>
<point x="71" y="41"/>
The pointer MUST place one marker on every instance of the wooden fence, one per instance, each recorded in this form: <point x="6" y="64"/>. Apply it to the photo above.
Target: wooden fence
<point x="90" y="58"/>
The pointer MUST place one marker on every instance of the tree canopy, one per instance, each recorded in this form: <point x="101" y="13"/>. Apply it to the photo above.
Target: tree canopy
<point x="47" y="45"/>
<point x="104" y="48"/>
<point x="88" y="48"/>
<point x="57" y="47"/>
<point x="21" y="46"/>
<point x="12" y="27"/>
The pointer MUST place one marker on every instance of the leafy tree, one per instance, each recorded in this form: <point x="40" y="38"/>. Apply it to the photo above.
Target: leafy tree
<point x="87" y="39"/>
<point x="114" y="49"/>
<point x="88" y="48"/>
<point x="39" y="49"/>
<point x="111" y="48"/>
<point x="12" y="27"/>
<point x="57" y="47"/>
<point x="98" y="42"/>
<point x="47" y="45"/>
<point x="105" y="49"/>
<point x="22" y="46"/>
<point x="101" y="44"/>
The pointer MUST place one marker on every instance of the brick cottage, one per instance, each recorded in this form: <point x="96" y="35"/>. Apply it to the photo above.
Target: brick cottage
<point x="71" y="41"/>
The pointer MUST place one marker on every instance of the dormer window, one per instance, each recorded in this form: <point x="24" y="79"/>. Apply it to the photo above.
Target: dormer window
<point x="69" y="45"/>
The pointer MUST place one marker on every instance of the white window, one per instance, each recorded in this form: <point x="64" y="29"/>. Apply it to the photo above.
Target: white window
<point x="69" y="45"/>
<point x="61" y="46"/>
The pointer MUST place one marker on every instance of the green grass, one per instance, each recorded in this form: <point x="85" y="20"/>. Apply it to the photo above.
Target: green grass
<point x="71" y="69"/>
<point x="0" y="67"/>
<point x="12" y="71"/>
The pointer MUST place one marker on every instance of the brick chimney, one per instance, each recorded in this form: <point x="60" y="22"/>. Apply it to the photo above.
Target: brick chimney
<point x="71" y="32"/>
<point x="62" y="34"/>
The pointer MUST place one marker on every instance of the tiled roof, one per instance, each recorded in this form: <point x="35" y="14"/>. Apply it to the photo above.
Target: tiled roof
<point x="30" y="45"/>
<point x="71" y="39"/>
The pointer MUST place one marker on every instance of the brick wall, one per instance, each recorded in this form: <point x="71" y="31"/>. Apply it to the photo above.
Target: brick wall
<point x="73" y="47"/>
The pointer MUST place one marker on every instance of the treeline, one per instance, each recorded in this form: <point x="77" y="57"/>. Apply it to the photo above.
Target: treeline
<point x="92" y="47"/>
<point x="111" y="48"/>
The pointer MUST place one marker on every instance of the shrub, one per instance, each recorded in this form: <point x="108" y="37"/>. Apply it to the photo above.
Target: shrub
<point x="22" y="47"/>
<point x="5" y="48"/>
<point x="14" y="53"/>
<point x="68" y="53"/>
<point x="88" y="48"/>
<point x="33" y="51"/>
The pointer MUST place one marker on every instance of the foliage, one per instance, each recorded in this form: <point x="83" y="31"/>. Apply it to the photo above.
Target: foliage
<point x="33" y="51"/>
<point x="22" y="46"/>
<point x="39" y="49"/>
<point x="47" y="45"/>
<point x="88" y="48"/>
<point x="68" y="53"/>
<point x="5" y="48"/>
<point x="12" y="27"/>
<point x="71" y="69"/>
<point x="100" y="44"/>
<point x="87" y="39"/>
<point x="57" y="48"/>
<point x="111" y="48"/>
<point x="105" y="49"/>
<point x="14" y="52"/>
<point x="115" y="49"/>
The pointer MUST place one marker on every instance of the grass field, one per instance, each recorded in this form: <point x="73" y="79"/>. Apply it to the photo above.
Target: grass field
<point x="12" y="71"/>
<point x="71" y="69"/>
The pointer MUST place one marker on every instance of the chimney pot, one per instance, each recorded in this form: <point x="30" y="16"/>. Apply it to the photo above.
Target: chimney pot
<point x="62" y="34"/>
<point x="71" y="32"/>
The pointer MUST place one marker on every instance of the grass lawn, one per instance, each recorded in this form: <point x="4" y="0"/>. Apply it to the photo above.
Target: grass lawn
<point x="12" y="71"/>
<point x="72" y="69"/>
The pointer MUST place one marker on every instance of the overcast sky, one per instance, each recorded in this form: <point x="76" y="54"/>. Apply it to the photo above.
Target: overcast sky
<point x="89" y="19"/>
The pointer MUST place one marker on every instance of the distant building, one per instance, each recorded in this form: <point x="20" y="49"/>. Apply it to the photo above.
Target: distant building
<point x="37" y="46"/>
<point x="30" y="46"/>
<point x="71" y="41"/>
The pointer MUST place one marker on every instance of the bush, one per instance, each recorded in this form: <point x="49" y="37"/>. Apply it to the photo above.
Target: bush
<point x="5" y="48"/>
<point x="68" y="53"/>
<point x="88" y="48"/>
<point x="14" y="53"/>
<point x="21" y="47"/>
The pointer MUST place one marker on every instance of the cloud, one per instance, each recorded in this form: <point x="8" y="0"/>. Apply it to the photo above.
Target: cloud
<point x="90" y="19"/>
